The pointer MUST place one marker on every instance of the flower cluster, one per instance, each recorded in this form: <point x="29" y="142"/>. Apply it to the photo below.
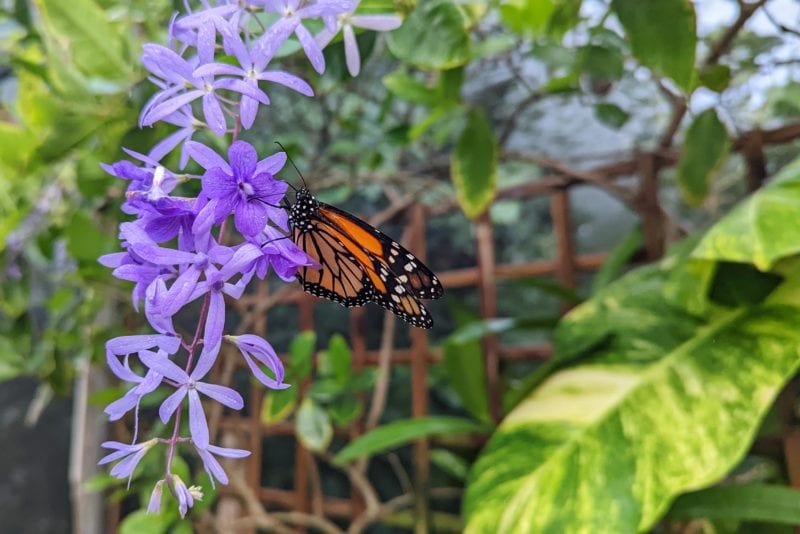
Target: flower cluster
<point x="177" y="251"/>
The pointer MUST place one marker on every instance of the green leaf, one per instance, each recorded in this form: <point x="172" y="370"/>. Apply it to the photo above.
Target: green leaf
<point x="432" y="37"/>
<point x="704" y="149"/>
<point x="401" y="84"/>
<point x="466" y="371"/>
<point x="662" y="35"/>
<point x="746" y="502"/>
<point x="602" y="63"/>
<point x="301" y="351"/>
<point x="83" y="30"/>
<point x="340" y="359"/>
<point x="741" y="284"/>
<point x="528" y="16"/>
<point x="716" y="77"/>
<point x="451" y="463"/>
<point x="140" y="522"/>
<point x="399" y="433"/>
<point x="278" y="404"/>
<point x="345" y="410"/>
<point x="474" y="165"/>
<point x="617" y="258"/>
<point x="85" y="240"/>
<point x="761" y="230"/>
<point x="565" y="16"/>
<point x="609" y="445"/>
<point x="313" y="426"/>
<point x="16" y="148"/>
<point x="611" y="115"/>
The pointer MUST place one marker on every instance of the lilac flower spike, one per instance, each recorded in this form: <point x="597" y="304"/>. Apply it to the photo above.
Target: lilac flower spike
<point x="189" y="384"/>
<point x="178" y="248"/>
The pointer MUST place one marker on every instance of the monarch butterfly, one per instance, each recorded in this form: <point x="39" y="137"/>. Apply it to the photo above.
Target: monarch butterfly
<point x="359" y="264"/>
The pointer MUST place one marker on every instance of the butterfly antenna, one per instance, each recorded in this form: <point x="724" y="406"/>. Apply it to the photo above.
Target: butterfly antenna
<point x="292" y="162"/>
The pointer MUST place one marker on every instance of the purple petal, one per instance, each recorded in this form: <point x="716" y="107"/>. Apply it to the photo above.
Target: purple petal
<point x="248" y="109"/>
<point x="197" y="420"/>
<point x="224" y="395"/>
<point x="119" y="370"/>
<point x="271" y="164"/>
<point x="206" y="360"/>
<point x="243" y="159"/>
<point x="228" y="453"/>
<point x="123" y="405"/>
<point x="351" y="53"/>
<point x="171" y="404"/>
<point x="154" y="505"/>
<point x="378" y="23"/>
<point x="250" y="217"/>
<point x="215" y="322"/>
<point x="327" y="7"/>
<point x="206" y="157"/>
<point x="163" y="365"/>
<point x="243" y="257"/>
<point x="112" y="260"/>
<point x="166" y="146"/>
<point x="170" y="106"/>
<point x="265" y="47"/>
<point x="178" y="294"/>
<point x="125" y="468"/>
<point x="212" y="466"/>
<point x="261" y="376"/>
<point x="206" y="40"/>
<point x="218" y="184"/>
<point x="239" y="86"/>
<point x="311" y="48"/>
<point x="212" y="111"/>
<point x="218" y="69"/>
<point x="288" y="80"/>
<point x="131" y="344"/>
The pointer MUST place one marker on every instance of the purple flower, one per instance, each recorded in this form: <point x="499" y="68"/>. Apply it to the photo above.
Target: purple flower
<point x="280" y="252"/>
<point x="177" y="74"/>
<point x="172" y="217"/>
<point x="242" y="190"/>
<point x="129" y="456"/>
<point x="154" y="505"/>
<point x="189" y="384"/>
<point x="293" y="12"/>
<point x="188" y="126"/>
<point x="255" y="347"/>
<point x="212" y="466"/>
<point x="346" y="22"/>
<point x="252" y="70"/>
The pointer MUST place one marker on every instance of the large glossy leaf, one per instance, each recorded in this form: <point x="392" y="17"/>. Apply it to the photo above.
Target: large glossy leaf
<point x="746" y="502"/>
<point x="432" y="37"/>
<point x="705" y="147"/>
<point x="607" y="447"/>
<point x="662" y="35"/>
<point x="763" y="229"/>
<point x="473" y="166"/>
<point x="401" y="432"/>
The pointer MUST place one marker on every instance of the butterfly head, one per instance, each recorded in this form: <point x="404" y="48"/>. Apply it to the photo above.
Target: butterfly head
<point x="304" y="208"/>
